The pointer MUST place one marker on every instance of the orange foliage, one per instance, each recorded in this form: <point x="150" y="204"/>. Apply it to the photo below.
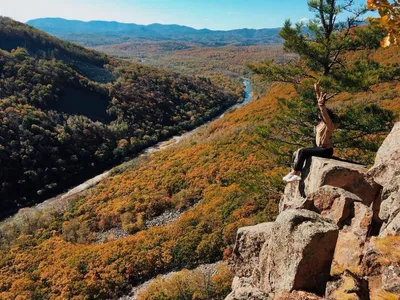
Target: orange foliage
<point x="220" y="168"/>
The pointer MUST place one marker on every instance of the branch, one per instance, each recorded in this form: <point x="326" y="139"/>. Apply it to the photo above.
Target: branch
<point x="320" y="9"/>
<point x="351" y="23"/>
<point x="357" y="137"/>
<point x="284" y="142"/>
<point x="331" y="17"/>
<point x="332" y="96"/>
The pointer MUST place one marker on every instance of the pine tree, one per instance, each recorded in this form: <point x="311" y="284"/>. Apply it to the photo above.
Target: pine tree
<point x="333" y="49"/>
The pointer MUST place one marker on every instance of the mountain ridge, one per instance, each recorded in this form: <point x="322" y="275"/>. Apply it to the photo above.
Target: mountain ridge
<point x="127" y="31"/>
<point x="31" y="21"/>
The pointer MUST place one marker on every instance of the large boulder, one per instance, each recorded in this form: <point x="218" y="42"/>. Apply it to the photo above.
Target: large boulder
<point x="351" y="241"/>
<point x="386" y="172"/>
<point x="334" y="203"/>
<point x="348" y="176"/>
<point x="249" y="241"/>
<point x="299" y="253"/>
<point x="389" y="208"/>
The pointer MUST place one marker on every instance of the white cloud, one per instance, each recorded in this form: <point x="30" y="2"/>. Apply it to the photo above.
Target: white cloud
<point x="304" y="20"/>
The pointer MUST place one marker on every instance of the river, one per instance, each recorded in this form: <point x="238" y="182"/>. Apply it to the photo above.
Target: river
<point x="59" y="201"/>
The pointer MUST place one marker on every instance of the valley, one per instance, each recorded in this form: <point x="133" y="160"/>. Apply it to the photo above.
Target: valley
<point x="70" y="98"/>
<point x="51" y="212"/>
<point x="145" y="162"/>
<point x="61" y="201"/>
<point x="164" y="186"/>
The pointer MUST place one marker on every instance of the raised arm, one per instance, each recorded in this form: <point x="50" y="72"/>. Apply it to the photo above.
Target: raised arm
<point x="321" y="104"/>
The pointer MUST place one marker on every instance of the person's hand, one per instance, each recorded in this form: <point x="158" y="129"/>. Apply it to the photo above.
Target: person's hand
<point x="322" y="99"/>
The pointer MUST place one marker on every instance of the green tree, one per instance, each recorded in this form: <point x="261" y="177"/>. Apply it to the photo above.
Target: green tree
<point x="324" y="46"/>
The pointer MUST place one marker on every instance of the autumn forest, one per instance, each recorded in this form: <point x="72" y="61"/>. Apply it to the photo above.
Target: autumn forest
<point x="71" y="110"/>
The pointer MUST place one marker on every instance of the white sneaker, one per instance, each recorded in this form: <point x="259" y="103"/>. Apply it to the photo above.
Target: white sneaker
<point x="294" y="178"/>
<point x="287" y="176"/>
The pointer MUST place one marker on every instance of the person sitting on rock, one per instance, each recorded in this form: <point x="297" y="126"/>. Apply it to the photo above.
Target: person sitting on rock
<point x="323" y="146"/>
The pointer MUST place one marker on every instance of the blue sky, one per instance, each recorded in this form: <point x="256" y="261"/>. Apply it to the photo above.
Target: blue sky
<point x="213" y="14"/>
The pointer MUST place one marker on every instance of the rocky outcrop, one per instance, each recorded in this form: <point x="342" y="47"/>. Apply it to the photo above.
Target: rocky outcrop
<point x="392" y="228"/>
<point x="334" y="203"/>
<point x="245" y="260"/>
<point x="294" y="198"/>
<point x="298" y="295"/>
<point x="347" y="286"/>
<point x="390" y="145"/>
<point x="380" y="264"/>
<point x="351" y="241"/>
<point x="249" y="241"/>
<point x="299" y="253"/>
<point x="386" y="172"/>
<point x="340" y="174"/>
<point x="337" y="235"/>
<point x="298" y="249"/>
<point x="329" y="172"/>
<point x="244" y="289"/>
<point x="391" y="278"/>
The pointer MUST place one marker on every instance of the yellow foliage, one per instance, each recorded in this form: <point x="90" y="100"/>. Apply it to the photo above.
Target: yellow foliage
<point x="389" y="249"/>
<point x="190" y="285"/>
<point x="389" y="19"/>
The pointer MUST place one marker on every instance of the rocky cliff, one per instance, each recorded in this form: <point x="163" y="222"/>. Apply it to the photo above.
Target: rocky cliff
<point x="337" y="235"/>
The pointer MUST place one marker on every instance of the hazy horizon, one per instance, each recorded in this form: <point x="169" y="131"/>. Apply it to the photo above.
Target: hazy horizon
<point x="210" y="14"/>
<point x="166" y="24"/>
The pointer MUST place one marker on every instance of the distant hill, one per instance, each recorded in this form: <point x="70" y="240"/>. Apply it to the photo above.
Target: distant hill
<point x="95" y="33"/>
<point x="88" y="62"/>
<point x="68" y="112"/>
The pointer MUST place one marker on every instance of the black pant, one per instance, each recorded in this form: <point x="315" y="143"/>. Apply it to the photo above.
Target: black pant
<point x="300" y="156"/>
